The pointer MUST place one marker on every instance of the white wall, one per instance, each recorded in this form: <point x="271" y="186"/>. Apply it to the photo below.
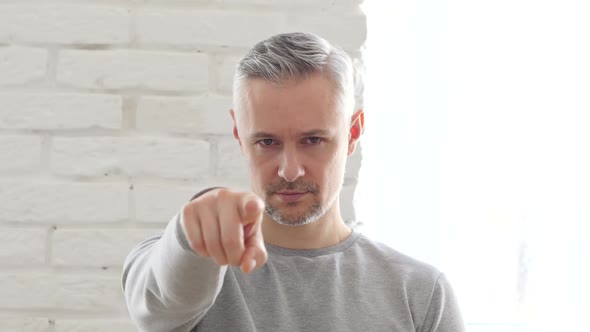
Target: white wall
<point x="112" y="114"/>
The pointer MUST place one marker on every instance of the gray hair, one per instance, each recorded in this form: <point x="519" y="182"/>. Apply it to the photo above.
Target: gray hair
<point x="296" y="56"/>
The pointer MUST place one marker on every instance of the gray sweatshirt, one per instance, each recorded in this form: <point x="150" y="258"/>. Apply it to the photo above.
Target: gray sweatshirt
<point x="356" y="285"/>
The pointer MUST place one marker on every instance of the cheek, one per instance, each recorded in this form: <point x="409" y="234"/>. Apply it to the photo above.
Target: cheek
<point x="332" y="169"/>
<point x="257" y="181"/>
<point x="261" y="173"/>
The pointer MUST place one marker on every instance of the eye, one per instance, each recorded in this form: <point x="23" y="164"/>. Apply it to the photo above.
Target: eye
<point x="266" y="142"/>
<point x="313" y="140"/>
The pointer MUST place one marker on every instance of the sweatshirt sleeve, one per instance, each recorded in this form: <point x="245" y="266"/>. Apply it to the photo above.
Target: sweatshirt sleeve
<point x="167" y="286"/>
<point x="443" y="313"/>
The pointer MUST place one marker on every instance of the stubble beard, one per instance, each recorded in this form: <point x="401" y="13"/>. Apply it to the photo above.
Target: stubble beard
<point x="313" y="213"/>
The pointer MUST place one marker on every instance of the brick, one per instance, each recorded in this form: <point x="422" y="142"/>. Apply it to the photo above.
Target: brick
<point x="96" y="247"/>
<point x="59" y="111"/>
<point x="347" y="31"/>
<point x="22" y="246"/>
<point x="203" y="115"/>
<point x="20" y="153"/>
<point x="63" y="202"/>
<point x="312" y="4"/>
<point x="94" y="325"/>
<point x="24" y="324"/>
<point x="20" y="65"/>
<point x="230" y="161"/>
<point x="123" y="69"/>
<point x="225" y="73"/>
<point x="159" y="203"/>
<point x="132" y="156"/>
<point x="205" y="27"/>
<point x="64" y="24"/>
<point x="61" y="291"/>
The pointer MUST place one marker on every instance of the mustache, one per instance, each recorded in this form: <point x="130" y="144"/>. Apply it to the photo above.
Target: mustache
<point x="294" y="186"/>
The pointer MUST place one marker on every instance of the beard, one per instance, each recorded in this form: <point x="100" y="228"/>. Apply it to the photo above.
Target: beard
<point x="309" y="215"/>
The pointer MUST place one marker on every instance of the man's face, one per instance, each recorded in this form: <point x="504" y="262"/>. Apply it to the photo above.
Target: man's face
<point x="295" y="140"/>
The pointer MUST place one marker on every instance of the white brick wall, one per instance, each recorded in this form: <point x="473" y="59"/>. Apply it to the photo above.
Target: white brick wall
<point x="204" y="114"/>
<point x="225" y="73"/>
<point x="205" y="27"/>
<point x="20" y="153"/>
<point x="147" y="156"/>
<point x="22" y="247"/>
<point x="93" y="325"/>
<point x="24" y="324"/>
<point x="112" y="115"/>
<point x="73" y="202"/>
<point x="20" y="64"/>
<point x="59" y="111"/>
<point x="96" y="292"/>
<point x="95" y="247"/>
<point x="164" y="71"/>
<point x="64" y="24"/>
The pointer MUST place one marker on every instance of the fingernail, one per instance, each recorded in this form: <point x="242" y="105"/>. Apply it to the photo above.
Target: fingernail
<point x="251" y="265"/>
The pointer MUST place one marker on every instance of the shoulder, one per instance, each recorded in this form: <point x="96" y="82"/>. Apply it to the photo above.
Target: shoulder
<point x="409" y="271"/>
<point x="409" y="284"/>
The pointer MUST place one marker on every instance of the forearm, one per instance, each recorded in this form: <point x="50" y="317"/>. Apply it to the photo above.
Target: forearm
<point x="167" y="286"/>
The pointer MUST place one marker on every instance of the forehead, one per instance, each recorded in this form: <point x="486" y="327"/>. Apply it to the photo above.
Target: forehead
<point x="293" y="106"/>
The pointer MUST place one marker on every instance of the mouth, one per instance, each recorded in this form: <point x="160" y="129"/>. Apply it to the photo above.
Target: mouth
<point x="290" y="196"/>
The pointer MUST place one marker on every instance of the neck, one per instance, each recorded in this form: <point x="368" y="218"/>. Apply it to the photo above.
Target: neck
<point x="327" y="231"/>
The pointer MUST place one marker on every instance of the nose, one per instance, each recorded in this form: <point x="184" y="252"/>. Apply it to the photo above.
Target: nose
<point x="290" y="167"/>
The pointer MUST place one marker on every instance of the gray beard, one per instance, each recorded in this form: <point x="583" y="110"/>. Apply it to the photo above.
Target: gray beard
<point x="312" y="214"/>
<point x="309" y="216"/>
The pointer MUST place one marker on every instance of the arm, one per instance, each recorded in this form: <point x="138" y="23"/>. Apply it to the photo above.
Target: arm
<point x="171" y="281"/>
<point x="443" y="313"/>
<point x="168" y="287"/>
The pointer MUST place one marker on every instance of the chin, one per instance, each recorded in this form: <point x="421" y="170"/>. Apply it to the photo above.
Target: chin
<point x="285" y="218"/>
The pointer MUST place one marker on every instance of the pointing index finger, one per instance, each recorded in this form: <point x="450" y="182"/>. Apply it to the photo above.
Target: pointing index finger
<point x="251" y="209"/>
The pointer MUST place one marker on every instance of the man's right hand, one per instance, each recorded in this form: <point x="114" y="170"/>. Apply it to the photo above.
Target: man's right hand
<point x="226" y="225"/>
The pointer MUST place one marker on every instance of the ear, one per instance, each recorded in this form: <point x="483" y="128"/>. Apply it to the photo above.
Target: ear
<point x="235" y="128"/>
<point x="356" y="129"/>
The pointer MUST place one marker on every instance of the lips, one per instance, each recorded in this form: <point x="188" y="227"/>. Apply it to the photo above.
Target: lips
<point x="290" y="196"/>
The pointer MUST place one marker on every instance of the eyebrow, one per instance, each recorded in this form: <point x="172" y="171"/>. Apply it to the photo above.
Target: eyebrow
<point x="261" y="135"/>
<point x="314" y="132"/>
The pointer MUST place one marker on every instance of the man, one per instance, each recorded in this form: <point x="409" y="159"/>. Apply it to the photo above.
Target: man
<point x="280" y="258"/>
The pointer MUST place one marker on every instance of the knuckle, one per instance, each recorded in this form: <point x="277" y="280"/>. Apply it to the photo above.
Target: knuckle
<point x="220" y="258"/>
<point x="211" y="240"/>
<point x="250" y="197"/>
<point x="193" y="210"/>
<point x="224" y="198"/>
<point x="215" y="248"/>
<point x="223" y="193"/>
<point x="232" y="244"/>
<point x="187" y="210"/>
<point x="198" y="248"/>
<point x="207" y="199"/>
<point x="195" y="244"/>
